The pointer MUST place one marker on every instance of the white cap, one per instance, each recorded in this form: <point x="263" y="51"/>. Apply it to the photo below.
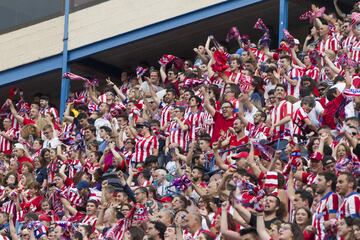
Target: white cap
<point x="19" y="146"/>
<point x="296" y="41"/>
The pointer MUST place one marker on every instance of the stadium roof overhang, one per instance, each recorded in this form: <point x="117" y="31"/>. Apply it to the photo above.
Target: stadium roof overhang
<point x="175" y="36"/>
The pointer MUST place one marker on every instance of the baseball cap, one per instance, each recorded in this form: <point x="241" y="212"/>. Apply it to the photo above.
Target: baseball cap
<point x="19" y="146"/>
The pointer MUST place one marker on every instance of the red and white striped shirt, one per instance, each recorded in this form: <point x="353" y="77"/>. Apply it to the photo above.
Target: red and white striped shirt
<point x="209" y="123"/>
<point x="312" y="72"/>
<point x="280" y="111"/>
<point x="5" y="144"/>
<point x="89" y="220"/>
<point x="165" y="114"/>
<point x="177" y="135"/>
<point x="330" y="43"/>
<point x="329" y="204"/>
<point x="144" y="147"/>
<point x="298" y="119"/>
<point x="350" y="207"/>
<point x="355" y="51"/>
<point x="53" y="112"/>
<point x="260" y="56"/>
<point x="348" y="42"/>
<point x="258" y="132"/>
<point x="293" y="74"/>
<point x="196" y="122"/>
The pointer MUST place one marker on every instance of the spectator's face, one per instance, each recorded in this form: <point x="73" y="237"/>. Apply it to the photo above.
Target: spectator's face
<point x="320" y="184"/>
<point x="307" y="61"/>
<point x="313" y="31"/>
<point x="323" y="31"/>
<point x="154" y="77"/>
<point x="37" y="163"/>
<point x="284" y="63"/>
<point x="298" y="202"/>
<point x="18" y="152"/>
<point x="171" y="75"/>
<point x="43" y="103"/>
<point x="285" y="232"/>
<point x="52" y="154"/>
<point x="48" y="133"/>
<point x="25" y="234"/>
<point x="301" y="217"/>
<point x="169" y="97"/>
<point x="59" y="182"/>
<point x="343" y="228"/>
<point x="181" y="218"/>
<point x="307" y="108"/>
<point x="177" y="204"/>
<point x="257" y="117"/>
<point x="91" y="209"/>
<point x="201" y="49"/>
<point x="238" y="126"/>
<point x="11" y="180"/>
<point x="234" y="65"/>
<point x="57" y="232"/>
<point x="274" y="231"/>
<point x="151" y="231"/>
<point x="356" y="231"/>
<point x="170" y="233"/>
<point x="204" y="145"/>
<point x="280" y="93"/>
<point x="342" y="185"/>
<point x="140" y="196"/>
<point x="227" y="110"/>
<point x="7" y="123"/>
<point x="270" y="204"/>
<point x="272" y="98"/>
<point x="45" y="206"/>
<point x="341" y="151"/>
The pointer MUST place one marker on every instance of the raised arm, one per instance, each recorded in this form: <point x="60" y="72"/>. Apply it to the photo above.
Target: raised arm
<point x="210" y="109"/>
<point x="116" y="89"/>
<point x="14" y="112"/>
<point x="260" y="227"/>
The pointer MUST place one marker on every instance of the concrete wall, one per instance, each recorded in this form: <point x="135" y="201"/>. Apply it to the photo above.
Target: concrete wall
<point x="89" y="25"/>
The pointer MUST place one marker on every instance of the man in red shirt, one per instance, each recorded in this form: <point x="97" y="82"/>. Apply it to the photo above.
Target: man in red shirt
<point x="222" y="120"/>
<point x="19" y="152"/>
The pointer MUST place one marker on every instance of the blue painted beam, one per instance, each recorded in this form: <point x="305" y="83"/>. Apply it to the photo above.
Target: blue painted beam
<point x="283" y="17"/>
<point x="65" y="83"/>
<point x="55" y="62"/>
<point x="31" y="69"/>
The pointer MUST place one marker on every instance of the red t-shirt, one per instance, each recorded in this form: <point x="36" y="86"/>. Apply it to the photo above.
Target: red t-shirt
<point x="221" y="124"/>
<point x="234" y="142"/>
<point x="28" y="121"/>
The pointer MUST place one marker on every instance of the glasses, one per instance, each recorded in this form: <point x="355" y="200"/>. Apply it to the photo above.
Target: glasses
<point x="47" y="132"/>
<point x="170" y="73"/>
<point x="225" y="107"/>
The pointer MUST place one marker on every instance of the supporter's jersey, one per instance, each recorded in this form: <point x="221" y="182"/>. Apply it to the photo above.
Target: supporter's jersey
<point x="280" y="111"/>
<point x="355" y="51"/>
<point x="165" y="113"/>
<point x="196" y="122"/>
<point x="144" y="147"/>
<point x="312" y="72"/>
<point x="5" y="144"/>
<point x="177" y="135"/>
<point x="329" y="204"/>
<point x="350" y="207"/>
<point x="293" y="74"/>
<point x="298" y="118"/>
<point x="258" y="132"/>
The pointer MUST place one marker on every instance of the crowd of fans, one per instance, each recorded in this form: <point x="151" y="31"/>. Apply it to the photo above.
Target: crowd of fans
<point x="257" y="144"/>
